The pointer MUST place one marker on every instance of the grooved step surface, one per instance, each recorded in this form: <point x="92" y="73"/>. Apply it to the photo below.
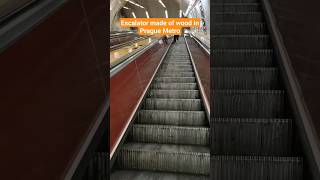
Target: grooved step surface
<point x="248" y="104"/>
<point x="181" y="118"/>
<point x="235" y="7"/>
<point x="243" y="58"/>
<point x="166" y="158"/>
<point x="237" y="17"/>
<point x="236" y="1"/>
<point x="152" y="175"/>
<point x="174" y="94"/>
<point x="176" y="74"/>
<point x="174" y="86"/>
<point x="252" y="135"/>
<point x="169" y="134"/>
<point x="256" y="168"/>
<point x="176" y="67"/>
<point x="239" y="28"/>
<point x="245" y="78"/>
<point x="175" y="80"/>
<point x="173" y="104"/>
<point x="239" y="136"/>
<point x="241" y="41"/>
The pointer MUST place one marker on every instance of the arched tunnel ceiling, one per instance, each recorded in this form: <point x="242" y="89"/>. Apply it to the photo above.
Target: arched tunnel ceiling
<point x="154" y="8"/>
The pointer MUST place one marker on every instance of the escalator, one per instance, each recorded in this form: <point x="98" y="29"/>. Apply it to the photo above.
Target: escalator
<point x="253" y="135"/>
<point x="170" y="135"/>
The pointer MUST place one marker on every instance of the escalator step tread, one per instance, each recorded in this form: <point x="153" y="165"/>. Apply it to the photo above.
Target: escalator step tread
<point x="236" y="1"/>
<point x="174" y="86"/>
<point x="175" y="94"/>
<point x="152" y="175"/>
<point x="239" y="17"/>
<point x="245" y="136"/>
<point x="165" y="157"/>
<point x="172" y="104"/>
<point x="181" y="118"/>
<point x="249" y="103"/>
<point x="236" y="7"/>
<point x="239" y="28"/>
<point x="256" y="167"/>
<point x="243" y="58"/>
<point x="241" y="41"/>
<point x="245" y="78"/>
<point x="175" y="79"/>
<point x="169" y="134"/>
<point x="176" y="74"/>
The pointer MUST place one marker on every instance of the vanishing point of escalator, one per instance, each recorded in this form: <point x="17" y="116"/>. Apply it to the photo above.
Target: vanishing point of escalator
<point x="170" y="136"/>
<point x="252" y="132"/>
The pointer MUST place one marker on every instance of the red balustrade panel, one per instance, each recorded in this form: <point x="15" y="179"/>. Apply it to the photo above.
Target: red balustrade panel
<point x="127" y="87"/>
<point x="202" y="64"/>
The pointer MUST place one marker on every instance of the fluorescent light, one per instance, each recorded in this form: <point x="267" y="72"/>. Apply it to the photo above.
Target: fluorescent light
<point x="126" y="7"/>
<point x="166" y="13"/>
<point x="133" y="15"/>
<point x="162" y="3"/>
<point x="180" y="12"/>
<point x="136" y="4"/>
<point x="189" y="7"/>
<point x="147" y="14"/>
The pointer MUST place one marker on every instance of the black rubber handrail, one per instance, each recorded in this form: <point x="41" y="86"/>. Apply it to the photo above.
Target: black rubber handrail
<point x="305" y="126"/>
<point x="21" y="22"/>
<point x="201" y="44"/>
<point x="118" y="46"/>
<point x="16" y="10"/>
<point x="129" y="58"/>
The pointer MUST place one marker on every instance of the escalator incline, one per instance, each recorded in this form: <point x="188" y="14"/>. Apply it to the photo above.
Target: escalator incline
<point x="170" y="136"/>
<point x="252" y="132"/>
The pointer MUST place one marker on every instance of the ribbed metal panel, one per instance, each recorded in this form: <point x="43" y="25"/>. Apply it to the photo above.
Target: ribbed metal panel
<point x="182" y="67"/>
<point x="176" y="74"/>
<point x="174" y="94"/>
<point x="242" y="58"/>
<point x="251" y="135"/>
<point x="241" y="41"/>
<point x="239" y="28"/>
<point x="245" y="78"/>
<point x="97" y="169"/>
<point x="151" y="175"/>
<point x="169" y="134"/>
<point x="174" y="63"/>
<point x="237" y="17"/>
<point x="175" y="86"/>
<point x="235" y="1"/>
<point x="182" y="118"/>
<point x="175" y="80"/>
<point x="167" y="158"/>
<point x="256" y="168"/>
<point x="241" y="136"/>
<point x="173" y="104"/>
<point x="248" y="103"/>
<point x="235" y="7"/>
